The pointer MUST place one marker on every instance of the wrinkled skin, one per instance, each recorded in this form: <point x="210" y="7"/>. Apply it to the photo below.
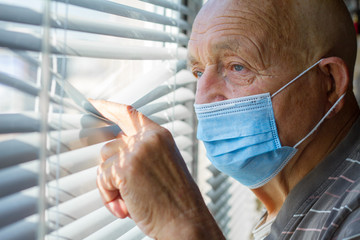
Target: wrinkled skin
<point x="143" y="176"/>
<point x="253" y="47"/>
<point x="237" y="48"/>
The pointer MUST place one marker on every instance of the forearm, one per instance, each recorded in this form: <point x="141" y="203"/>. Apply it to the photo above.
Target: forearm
<point x="198" y="224"/>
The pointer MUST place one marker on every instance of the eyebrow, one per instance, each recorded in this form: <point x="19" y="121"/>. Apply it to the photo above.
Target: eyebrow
<point x="191" y="59"/>
<point x="232" y="45"/>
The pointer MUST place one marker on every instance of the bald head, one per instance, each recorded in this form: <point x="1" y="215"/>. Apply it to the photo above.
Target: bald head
<point x="297" y="32"/>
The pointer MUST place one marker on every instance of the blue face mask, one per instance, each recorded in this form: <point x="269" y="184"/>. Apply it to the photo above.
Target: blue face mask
<point x="241" y="138"/>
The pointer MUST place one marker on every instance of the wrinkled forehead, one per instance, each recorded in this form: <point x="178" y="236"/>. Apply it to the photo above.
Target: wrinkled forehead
<point x="250" y="27"/>
<point x="216" y="12"/>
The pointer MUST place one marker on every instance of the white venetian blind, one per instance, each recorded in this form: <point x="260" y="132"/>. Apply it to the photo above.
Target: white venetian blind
<point x="128" y="51"/>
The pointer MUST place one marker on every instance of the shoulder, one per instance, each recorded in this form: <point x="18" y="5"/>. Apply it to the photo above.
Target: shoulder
<point x="347" y="220"/>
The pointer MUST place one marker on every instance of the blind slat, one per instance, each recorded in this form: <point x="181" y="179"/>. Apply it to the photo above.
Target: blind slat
<point x="216" y="194"/>
<point x="134" y="233"/>
<point x="73" y="185"/>
<point x="222" y="213"/>
<point x="82" y="24"/>
<point x="23" y="176"/>
<point x="170" y="5"/>
<point x="180" y="95"/>
<point x="25" y="147"/>
<point x="216" y="181"/>
<point x="129" y="12"/>
<point x="74" y="207"/>
<point x="139" y="89"/>
<point x="30" y="88"/>
<point x="215" y="207"/>
<point x="178" y="128"/>
<point x="25" y="229"/>
<point x="22" y="204"/>
<point x="18" y="206"/>
<point x="186" y="156"/>
<point x="93" y="49"/>
<point x="113" y="230"/>
<point x="183" y="142"/>
<point x="18" y="178"/>
<point x="27" y="122"/>
<point x="84" y="226"/>
<point x="176" y="112"/>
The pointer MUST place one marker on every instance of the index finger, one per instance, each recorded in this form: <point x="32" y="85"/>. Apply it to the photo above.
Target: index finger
<point x="126" y="117"/>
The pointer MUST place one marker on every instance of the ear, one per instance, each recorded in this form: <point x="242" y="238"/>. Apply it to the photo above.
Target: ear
<point x="337" y="81"/>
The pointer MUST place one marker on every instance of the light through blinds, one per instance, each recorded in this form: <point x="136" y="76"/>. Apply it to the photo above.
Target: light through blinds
<point x="56" y="54"/>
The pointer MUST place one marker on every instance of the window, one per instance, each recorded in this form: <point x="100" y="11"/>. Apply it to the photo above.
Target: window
<point x="56" y="54"/>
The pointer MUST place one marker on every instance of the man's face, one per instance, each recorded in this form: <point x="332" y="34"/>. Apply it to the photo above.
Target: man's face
<point x="233" y="51"/>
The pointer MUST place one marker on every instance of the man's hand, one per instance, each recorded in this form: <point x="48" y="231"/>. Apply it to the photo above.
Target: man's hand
<point x="143" y="176"/>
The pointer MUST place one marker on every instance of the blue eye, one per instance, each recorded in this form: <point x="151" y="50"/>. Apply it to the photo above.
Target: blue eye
<point x="198" y="74"/>
<point x="237" y="67"/>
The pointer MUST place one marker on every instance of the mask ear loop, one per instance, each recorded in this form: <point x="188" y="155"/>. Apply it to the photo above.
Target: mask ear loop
<point x="320" y="122"/>
<point x="299" y="76"/>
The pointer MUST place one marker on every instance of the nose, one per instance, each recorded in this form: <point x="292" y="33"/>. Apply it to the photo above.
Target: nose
<point x="210" y="87"/>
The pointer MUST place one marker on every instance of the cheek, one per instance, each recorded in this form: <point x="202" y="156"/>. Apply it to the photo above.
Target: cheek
<point x="236" y="90"/>
<point x="296" y="114"/>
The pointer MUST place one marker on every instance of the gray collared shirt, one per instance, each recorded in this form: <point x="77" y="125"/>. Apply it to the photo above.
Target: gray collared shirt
<point x="326" y="203"/>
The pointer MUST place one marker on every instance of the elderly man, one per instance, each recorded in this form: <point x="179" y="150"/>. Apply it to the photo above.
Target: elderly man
<point x="276" y="111"/>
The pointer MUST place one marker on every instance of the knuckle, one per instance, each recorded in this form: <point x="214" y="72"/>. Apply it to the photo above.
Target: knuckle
<point x="104" y="153"/>
<point x="160" y="135"/>
<point x="130" y="109"/>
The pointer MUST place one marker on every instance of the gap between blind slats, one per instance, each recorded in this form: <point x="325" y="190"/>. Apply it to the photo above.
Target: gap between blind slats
<point x="129" y="12"/>
<point x="92" y="49"/>
<point x="81" y="24"/>
<point x="171" y="5"/>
